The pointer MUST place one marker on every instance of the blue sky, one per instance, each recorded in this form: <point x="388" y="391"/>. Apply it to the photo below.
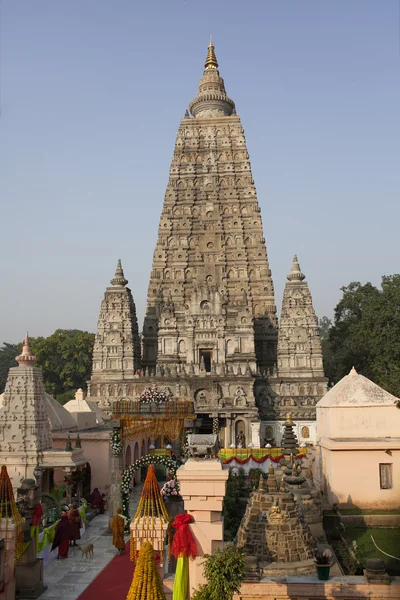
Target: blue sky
<point x="92" y="93"/>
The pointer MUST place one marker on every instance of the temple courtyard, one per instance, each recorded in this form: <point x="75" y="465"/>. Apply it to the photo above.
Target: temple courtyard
<point x="67" y="579"/>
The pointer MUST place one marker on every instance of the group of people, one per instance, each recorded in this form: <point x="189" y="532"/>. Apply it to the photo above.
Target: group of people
<point x="67" y="531"/>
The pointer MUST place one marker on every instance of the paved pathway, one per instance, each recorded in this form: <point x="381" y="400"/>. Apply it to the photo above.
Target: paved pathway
<point x="66" y="579"/>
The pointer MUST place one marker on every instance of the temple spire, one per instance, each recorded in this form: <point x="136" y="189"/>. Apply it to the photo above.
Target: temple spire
<point x="26" y="359"/>
<point x="295" y="273"/>
<point x="119" y="278"/>
<point x="211" y="60"/>
<point x="211" y="99"/>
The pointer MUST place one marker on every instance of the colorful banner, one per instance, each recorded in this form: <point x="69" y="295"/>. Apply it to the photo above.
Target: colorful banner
<point x="242" y="455"/>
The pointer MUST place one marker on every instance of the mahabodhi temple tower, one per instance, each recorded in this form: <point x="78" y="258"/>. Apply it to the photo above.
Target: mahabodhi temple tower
<point x="210" y="332"/>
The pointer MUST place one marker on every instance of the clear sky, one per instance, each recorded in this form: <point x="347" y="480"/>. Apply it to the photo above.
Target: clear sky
<point x="92" y="93"/>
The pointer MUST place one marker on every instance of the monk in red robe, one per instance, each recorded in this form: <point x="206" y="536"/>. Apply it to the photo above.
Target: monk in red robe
<point x="61" y="538"/>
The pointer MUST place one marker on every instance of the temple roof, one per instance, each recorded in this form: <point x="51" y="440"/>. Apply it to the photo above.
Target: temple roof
<point x="355" y="390"/>
<point x="119" y="278"/>
<point x="59" y="418"/>
<point x="81" y="405"/>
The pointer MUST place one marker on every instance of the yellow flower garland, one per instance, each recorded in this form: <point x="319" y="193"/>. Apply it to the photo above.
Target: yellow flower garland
<point x="146" y="583"/>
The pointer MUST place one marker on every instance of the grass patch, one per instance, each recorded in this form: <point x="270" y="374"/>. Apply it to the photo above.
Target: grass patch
<point x="330" y="513"/>
<point x="365" y="511"/>
<point x="388" y="539"/>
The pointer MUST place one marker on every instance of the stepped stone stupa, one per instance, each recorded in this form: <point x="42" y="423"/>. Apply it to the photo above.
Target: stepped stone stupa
<point x="211" y="332"/>
<point x="274" y="532"/>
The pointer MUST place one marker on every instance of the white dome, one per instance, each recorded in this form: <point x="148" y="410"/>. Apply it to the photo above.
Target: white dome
<point x="355" y="390"/>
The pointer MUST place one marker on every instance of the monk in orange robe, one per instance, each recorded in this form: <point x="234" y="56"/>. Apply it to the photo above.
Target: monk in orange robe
<point x="118" y="525"/>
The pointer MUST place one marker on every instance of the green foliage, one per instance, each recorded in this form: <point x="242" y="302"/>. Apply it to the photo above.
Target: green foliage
<point x="66" y="396"/>
<point x="55" y="499"/>
<point x="365" y="334"/>
<point x="8" y="352"/>
<point x="234" y="507"/>
<point x="352" y="560"/>
<point x="65" y="358"/>
<point x="224" y="571"/>
<point x="254" y="477"/>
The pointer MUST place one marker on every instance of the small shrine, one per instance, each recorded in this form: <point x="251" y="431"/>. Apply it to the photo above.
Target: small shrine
<point x="151" y="522"/>
<point x="273" y="531"/>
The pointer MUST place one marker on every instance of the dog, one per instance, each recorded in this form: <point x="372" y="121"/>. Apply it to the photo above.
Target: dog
<point x="86" y="550"/>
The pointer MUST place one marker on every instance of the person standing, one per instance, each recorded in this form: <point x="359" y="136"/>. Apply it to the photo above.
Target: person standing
<point x="75" y="524"/>
<point x="61" y="538"/>
<point x="118" y="526"/>
<point x="97" y="501"/>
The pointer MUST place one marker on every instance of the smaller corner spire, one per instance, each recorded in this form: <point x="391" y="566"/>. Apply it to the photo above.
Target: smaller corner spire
<point x="119" y="279"/>
<point x="26" y="359"/>
<point x="211" y="60"/>
<point x="295" y="273"/>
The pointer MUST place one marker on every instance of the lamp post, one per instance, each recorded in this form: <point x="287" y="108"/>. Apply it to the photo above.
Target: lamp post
<point x="37" y="473"/>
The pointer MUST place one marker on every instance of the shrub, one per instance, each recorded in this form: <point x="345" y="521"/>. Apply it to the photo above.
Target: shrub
<point x="224" y="571"/>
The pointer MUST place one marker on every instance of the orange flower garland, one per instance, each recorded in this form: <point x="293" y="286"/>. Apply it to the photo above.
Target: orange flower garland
<point x="151" y="507"/>
<point x="146" y="583"/>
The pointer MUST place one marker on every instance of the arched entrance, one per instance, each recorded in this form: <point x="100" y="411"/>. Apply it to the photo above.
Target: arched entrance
<point x="144" y="461"/>
<point x="128" y="457"/>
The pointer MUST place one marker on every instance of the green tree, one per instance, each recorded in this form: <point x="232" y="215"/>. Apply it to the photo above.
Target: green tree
<point x="366" y="334"/>
<point x="8" y="353"/>
<point x="325" y="325"/>
<point x="65" y="358"/>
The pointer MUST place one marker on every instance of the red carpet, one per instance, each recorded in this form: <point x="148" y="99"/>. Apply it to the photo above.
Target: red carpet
<point x="113" y="581"/>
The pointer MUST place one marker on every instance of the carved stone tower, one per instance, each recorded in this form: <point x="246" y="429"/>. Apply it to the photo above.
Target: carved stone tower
<point x="299" y="382"/>
<point x="116" y="354"/>
<point x="299" y="344"/>
<point x="24" y="422"/>
<point x="211" y="298"/>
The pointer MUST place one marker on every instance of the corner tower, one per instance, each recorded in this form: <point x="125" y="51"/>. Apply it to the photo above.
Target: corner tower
<point x="116" y="353"/>
<point x="210" y="304"/>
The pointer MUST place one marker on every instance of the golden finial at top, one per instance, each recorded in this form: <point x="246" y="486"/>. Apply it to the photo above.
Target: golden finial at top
<point x="211" y="60"/>
<point x="288" y="420"/>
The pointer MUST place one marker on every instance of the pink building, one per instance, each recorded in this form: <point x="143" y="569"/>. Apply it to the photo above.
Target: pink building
<point x="358" y="431"/>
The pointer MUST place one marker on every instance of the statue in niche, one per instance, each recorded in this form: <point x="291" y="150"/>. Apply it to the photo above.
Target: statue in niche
<point x="263" y="398"/>
<point x="201" y="397"/>
<point x="305" y="432"/>
<point x="288" y="402"/>
<point x="241" y="439"/>
<point x="240" y="397"/>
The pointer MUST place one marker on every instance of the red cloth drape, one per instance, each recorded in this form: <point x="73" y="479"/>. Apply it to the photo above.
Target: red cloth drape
<point x="183" y="543"/>
<point x="37" y="514"/>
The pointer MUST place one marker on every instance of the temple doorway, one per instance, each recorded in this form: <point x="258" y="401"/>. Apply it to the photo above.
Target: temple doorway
<point x="206" y="357"/>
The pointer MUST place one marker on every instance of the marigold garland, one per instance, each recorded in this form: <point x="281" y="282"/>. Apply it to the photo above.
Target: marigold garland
<point x="144" y="461"/>
<point x="146" y="583"/>
<point x="9" y="514"/>
<point x="151" y="509"/>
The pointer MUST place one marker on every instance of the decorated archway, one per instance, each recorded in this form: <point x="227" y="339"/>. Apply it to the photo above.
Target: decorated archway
<point x="136" y="458"/>
<point x="143" y="461"/>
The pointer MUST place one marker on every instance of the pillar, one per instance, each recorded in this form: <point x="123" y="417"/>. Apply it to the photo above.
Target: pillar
<point x="255" y="434"/>
<point x="116" y="467"/>
<point x="7" y="557"/>
<point x="203" y="486"/>
<point x="29" y="571"/>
